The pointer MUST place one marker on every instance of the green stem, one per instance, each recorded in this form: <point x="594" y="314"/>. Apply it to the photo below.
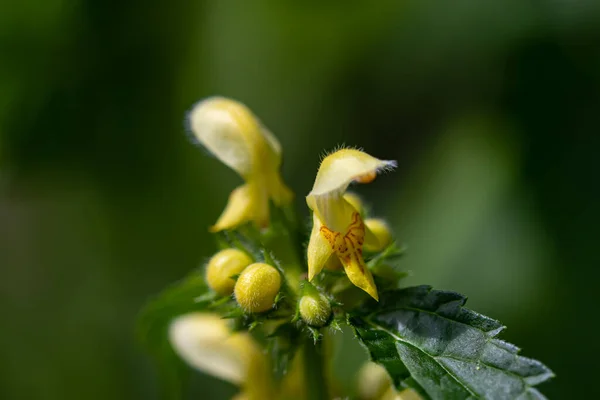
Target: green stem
<point x="314" y="371"/>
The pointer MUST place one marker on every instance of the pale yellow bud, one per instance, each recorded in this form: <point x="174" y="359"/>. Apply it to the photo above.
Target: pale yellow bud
<point x="222" y="267"/>
<point x="382" y="233"/>
<point x="315" y="309"/>
<point x="256" y="288"/>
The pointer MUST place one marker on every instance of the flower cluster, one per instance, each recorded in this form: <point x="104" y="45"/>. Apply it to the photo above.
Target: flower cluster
<point x="250" y="287"/>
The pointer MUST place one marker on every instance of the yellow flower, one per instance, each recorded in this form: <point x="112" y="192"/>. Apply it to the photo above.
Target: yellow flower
<point x="206" y="342"/>
<point x="338" y="229"/>
<point x="230" y="131"/>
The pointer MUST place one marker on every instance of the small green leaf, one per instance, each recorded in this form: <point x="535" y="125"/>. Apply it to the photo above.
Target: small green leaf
<point x="281" y="346"/>
<point x="191" y="294"/>
<point x="391" y="253"/>
<point x="386" y="268"/>
<point x="427" y="337"/>
<point x="188" y="295"/>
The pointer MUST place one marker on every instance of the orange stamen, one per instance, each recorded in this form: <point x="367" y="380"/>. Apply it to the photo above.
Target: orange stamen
<point x="366" y="178"/>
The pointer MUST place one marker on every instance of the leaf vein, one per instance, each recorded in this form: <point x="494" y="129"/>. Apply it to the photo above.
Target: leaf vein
<point x="399" y="339"/>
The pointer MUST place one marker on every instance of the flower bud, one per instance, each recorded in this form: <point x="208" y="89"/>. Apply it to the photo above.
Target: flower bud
<point x="355" y="201"/>
<point x="256" y="288"/>
<point x="381" y="231"/>
<point x="222" y="267"/>
<point x="315" y="309"/>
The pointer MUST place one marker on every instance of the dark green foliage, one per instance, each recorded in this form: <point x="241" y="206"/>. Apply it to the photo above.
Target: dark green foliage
<point x="190" y="294"/>
<point x="427" y="336"/>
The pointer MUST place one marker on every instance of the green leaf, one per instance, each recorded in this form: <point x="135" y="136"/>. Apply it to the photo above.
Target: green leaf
<point x="191" y="294"/>
<point x="427" y="337"/>
<point x="281" y="346"/>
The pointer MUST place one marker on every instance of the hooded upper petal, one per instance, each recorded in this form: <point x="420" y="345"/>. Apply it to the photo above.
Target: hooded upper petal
<point x="228" y="130"/>
<point x="340" y="168"/>
<point x="336" y="172"/>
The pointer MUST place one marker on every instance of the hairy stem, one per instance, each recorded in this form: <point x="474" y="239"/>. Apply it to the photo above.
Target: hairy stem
<point x="314" y="371"/>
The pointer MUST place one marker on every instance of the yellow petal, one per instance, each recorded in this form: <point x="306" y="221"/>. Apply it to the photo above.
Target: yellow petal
<point x="359" y="275"/>
<point x="230" y="131"/>
<point x="246" y="203"/>
<point x="336" y="172"/>
<point x="339" y="169"/>
<point x="273" y="144"/>
<point x="237" y="210"/>
<point x="205" y="342"/>
<point x="278" y="191"/>
<point x="348" y="248"/>
<point x="355" y="201"/>
<point x="319" y="249"/>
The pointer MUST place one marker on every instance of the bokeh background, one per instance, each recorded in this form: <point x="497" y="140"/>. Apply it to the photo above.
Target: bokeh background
<point x="492" y="110"/>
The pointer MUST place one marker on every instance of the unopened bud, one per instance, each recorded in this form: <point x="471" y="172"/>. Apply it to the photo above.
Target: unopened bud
<point x="315" y="309"/>
<point x="256" y="288"/>
<point x="222" y="267"/>
<point x="380" y="229"/>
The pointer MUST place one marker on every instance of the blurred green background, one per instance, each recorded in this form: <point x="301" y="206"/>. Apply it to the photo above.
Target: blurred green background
<point x="492" y="110"/>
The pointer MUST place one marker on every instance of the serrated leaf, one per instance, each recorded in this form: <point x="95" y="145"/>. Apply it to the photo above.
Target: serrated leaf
<point x="450" y="351"/>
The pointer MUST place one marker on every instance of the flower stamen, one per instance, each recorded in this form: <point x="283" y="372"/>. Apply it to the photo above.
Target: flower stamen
<point x="366" y="178"/>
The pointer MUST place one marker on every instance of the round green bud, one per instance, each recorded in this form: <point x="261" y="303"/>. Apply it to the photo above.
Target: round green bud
<point x="315" y="309"/>
<point x="381" y="231"/>
<point x="256" y="288"/>
<point x="222" y="267"/>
